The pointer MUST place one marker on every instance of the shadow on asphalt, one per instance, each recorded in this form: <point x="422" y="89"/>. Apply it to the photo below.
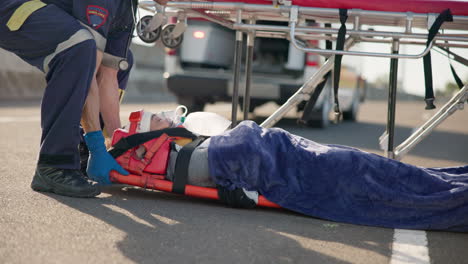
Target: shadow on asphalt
<point x="438" y="145"/>
<point x="167" y="228"/>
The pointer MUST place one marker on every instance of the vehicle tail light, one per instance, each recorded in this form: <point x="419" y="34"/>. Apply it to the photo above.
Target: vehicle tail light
<point x="171" y="52"/>
<point x="313" y="59"/>
<point x="199" y="34"/>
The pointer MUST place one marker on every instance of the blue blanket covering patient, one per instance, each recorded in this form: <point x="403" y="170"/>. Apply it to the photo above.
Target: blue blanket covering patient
<point x="339" y="183"/>
<point x="332" y="182"/>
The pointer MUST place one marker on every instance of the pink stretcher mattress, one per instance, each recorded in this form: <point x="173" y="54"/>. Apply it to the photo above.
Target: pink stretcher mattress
<point x="458" y="7"/>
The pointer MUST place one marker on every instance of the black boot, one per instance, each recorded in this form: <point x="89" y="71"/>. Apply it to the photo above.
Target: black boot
<point x="84" y="156"/>
<point x="64" y="182"/>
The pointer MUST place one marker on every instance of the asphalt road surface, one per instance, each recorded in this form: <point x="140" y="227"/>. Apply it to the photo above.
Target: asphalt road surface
<point x="131" y="225"/>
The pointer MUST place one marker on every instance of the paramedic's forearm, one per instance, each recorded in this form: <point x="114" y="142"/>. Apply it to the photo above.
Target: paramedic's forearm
<point x="90" y="116"/>
<point x="109" y="98"/>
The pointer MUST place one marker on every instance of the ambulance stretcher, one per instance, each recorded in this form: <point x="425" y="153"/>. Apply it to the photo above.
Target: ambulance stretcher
<point x="408" y="15"/>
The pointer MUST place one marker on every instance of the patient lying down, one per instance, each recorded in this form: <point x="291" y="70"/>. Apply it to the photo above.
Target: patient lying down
<point x="333" y="182"/>
<point x="198" y="166"/>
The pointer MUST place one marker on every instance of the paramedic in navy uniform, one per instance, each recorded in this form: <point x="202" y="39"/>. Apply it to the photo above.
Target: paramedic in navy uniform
<point x="82" y="47"/>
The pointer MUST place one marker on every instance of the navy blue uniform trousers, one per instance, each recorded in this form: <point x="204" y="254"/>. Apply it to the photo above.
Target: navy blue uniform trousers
<point x="48" y="41"/>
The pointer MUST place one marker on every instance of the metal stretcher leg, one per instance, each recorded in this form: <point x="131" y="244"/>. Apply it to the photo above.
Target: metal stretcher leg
<point x="457" y="102"/>
<point x="306" y="89"/>
<point x="237" y="68"/>
<point x="392" y="91"/>
<point x="248" y="70"/>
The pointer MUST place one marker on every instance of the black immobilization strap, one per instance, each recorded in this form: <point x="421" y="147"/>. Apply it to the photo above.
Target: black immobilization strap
<point x="235" y="198"/>
<point x="328" y="43"/>
<point x="446" y="15"/>
<point x="182" y="166"/>
<point x="456" y="77"/>
<point x="313" y="99"/>
<point x="455" y="56"/>
<point x="318" y="90"/>
<point x="135" y="140"/>
<point x="337" y="67"/>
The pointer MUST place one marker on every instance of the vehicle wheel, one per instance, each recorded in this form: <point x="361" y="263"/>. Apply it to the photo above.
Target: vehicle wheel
<point x="321" y="121"/>
<point x="318" y="119"/>
<point x="252" y="106"/>
<point x="147" y="37"/>
<point x="351" y="115"/>
<point x="167" y="38"/>
<point x="193" y="104"/>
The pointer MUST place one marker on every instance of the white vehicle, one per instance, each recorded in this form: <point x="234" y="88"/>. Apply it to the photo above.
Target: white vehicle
<point x="199" y="72"/>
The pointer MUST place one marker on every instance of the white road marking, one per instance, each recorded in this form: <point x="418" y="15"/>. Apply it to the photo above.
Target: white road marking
<point x="409" y="246"/>
<point x="18" y="119"/>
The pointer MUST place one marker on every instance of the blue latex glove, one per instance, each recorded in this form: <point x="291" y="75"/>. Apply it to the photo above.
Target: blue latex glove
<point x="100" y="162"/>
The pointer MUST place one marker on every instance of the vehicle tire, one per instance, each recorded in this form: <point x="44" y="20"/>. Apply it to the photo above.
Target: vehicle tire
<point x="193" y="104"/>
<point x="253" y="104"/>
<point x="147" y="37"/>
<point x="351" y="114"/>
<point x="318" y="119"/>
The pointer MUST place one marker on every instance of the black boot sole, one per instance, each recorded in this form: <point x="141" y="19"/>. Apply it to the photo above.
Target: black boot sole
<point x="40" y="185"/>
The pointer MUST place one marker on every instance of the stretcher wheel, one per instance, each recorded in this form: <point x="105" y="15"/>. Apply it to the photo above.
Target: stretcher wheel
<point x="167" y="38"/>
<point x="148" y="37"/>
<point x="351" y="114"/>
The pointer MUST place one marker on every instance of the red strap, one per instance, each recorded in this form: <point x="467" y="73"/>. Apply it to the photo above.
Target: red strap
<point x="134" y="118"/>
<point x="151" y="149"/>
<point x="124" y="159"/>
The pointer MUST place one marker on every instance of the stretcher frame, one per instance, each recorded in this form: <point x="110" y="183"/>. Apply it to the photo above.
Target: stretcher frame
<point x="242" y="17"/>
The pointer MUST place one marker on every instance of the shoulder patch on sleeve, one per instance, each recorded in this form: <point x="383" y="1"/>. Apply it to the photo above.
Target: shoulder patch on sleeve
<point x="97" y="16"/>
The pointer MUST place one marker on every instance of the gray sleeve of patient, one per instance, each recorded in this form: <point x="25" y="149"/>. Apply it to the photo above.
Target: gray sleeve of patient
<point x="199" y="173"/>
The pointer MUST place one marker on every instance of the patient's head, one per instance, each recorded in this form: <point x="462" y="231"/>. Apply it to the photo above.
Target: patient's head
<point x="158" y="122"/>
<point x="150" y="122"/>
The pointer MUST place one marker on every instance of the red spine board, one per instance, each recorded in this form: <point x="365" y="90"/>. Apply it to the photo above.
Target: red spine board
<point x="150" y="182"/>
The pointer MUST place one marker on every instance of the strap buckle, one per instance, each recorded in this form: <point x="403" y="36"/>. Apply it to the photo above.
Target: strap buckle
<point x="429" y="103"/>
